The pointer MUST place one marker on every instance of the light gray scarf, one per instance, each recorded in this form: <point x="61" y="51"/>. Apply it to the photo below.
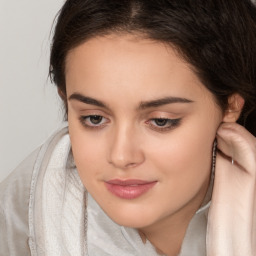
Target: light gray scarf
<point x="65" y="220"/>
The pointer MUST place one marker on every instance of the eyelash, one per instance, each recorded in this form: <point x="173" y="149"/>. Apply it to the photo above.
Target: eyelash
<point x="83" y="120"/>
<point x="168" y="124"/>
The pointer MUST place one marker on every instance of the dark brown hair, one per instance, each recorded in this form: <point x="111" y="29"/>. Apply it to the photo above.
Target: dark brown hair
<point x="217" y="37"/>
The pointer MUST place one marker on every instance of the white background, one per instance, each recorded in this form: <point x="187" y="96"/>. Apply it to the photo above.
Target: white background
<point x="30" y="109"/>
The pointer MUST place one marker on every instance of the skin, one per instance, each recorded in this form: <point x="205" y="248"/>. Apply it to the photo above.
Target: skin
<point x="232" y="215"/>
<point x="123" y="73"/>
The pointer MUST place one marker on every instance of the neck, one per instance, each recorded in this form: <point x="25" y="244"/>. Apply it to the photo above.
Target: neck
<point x="168" y="234"/>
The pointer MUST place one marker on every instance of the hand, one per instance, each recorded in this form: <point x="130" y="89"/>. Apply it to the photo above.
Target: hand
<point x="231" y="227"/>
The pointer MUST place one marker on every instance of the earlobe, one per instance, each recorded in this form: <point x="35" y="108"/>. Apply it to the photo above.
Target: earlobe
<point x="234" y="109"/>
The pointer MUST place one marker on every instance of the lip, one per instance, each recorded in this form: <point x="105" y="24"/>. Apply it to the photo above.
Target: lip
<point x="129" y="189"/>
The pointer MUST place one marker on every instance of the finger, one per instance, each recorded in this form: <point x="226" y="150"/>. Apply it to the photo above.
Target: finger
<point x="235" y="142"/>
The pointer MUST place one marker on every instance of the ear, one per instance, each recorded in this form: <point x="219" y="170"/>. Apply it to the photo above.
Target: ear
<point x="234" y="109"/>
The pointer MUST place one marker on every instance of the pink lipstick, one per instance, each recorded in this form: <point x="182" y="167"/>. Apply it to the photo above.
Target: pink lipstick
<point x="129" y="189"/>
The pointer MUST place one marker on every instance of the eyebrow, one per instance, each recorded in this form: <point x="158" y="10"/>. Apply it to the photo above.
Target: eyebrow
<point x="142" y="105"/>
<point x="87" y="100"/>
<point x="163" y="101"/>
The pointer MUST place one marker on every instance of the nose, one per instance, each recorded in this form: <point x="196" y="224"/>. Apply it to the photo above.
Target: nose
<point x="125" y="151"/>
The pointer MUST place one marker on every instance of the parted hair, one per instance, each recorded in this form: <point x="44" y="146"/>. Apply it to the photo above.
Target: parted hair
<point x="216" y="37"/>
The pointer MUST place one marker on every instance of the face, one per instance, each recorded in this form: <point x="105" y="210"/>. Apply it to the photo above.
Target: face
<point x="141" y="126"/>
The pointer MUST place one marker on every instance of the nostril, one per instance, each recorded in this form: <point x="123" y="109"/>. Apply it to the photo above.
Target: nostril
<point x="131" y="165"/>
<point x="129" y="161"/>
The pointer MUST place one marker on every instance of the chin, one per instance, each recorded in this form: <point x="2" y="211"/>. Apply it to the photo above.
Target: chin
<point x="132" y="218"/>
<point x="132" y="222"/>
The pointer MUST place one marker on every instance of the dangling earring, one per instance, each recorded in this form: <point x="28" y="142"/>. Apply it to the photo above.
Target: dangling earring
<point x="214" y="152"/>
<point x="210" y="189"/>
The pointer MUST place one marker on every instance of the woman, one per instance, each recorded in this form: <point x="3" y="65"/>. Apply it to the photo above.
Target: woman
<point x="155" y="159"/>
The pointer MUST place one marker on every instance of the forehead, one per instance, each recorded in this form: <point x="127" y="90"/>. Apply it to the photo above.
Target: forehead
<point x="128" y="63"/>
<point x="125" y="48"/>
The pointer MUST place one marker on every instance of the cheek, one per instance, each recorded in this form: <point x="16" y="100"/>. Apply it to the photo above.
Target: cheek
<point x="87" y="151"/>
<point x="184" y="159"/>
<point x="87" y="154"/>
<point x="182" y="146"/>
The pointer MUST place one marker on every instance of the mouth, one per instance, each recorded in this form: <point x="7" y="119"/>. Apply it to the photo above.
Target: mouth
<point x="129" y="189"/>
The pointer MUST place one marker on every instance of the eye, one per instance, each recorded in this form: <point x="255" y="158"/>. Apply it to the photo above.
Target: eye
<point x="163" y="124"/>
<point x="93" y="121"/>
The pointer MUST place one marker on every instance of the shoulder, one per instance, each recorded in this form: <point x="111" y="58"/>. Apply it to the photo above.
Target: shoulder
<point x="19" y="179"/>
<point x="17" y="184"/>
<point x="17" y="198"/>
<point x="14" y="202"/>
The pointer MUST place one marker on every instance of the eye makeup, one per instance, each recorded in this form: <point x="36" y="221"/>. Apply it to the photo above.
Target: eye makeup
<point x="93" y="121"/>
<point x="157" y="124"/>
<point x="163" y="124"/>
